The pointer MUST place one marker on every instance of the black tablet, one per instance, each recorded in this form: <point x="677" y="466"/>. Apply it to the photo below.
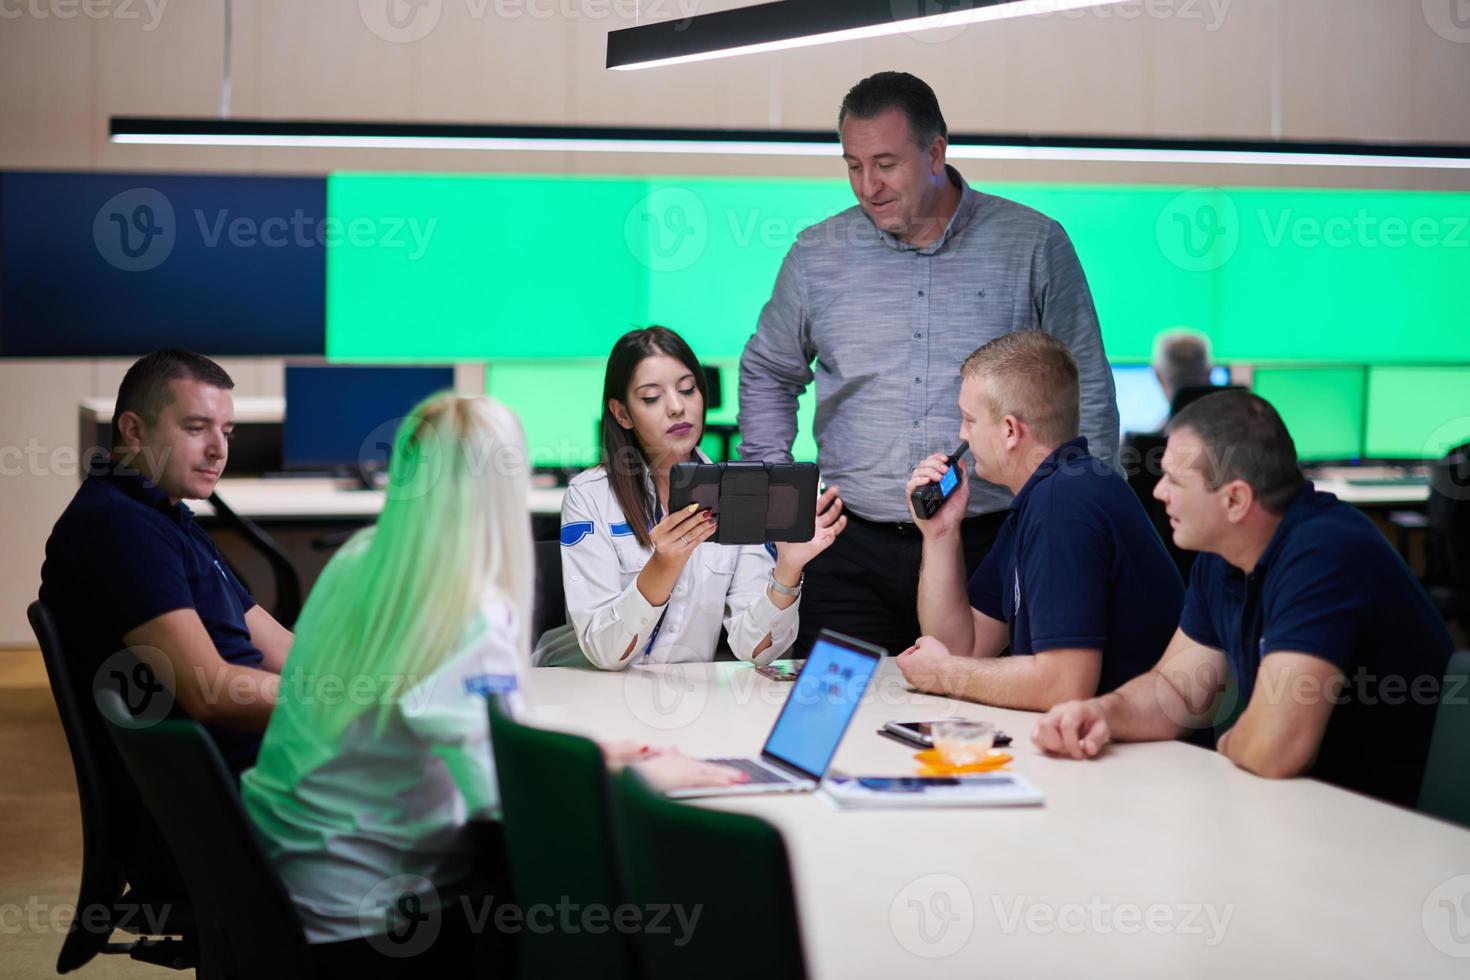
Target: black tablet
<point x="754" y="502"/>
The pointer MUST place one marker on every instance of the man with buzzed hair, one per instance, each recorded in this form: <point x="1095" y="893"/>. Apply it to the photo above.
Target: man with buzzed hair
<point x="1077" y="585"/>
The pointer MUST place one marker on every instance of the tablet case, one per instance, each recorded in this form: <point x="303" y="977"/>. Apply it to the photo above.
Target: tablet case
<point x="754" y="502"/>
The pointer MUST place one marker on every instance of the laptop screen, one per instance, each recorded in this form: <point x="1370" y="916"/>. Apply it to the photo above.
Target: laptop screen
<point x="822" y="702"/>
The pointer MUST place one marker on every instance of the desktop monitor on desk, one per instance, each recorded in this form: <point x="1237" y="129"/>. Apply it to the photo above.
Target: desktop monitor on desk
<point x="1142" y="406"/>
<point x="1323" y="408"/>
<point x="342" y="418"/>
<point x="1417" y="413"/>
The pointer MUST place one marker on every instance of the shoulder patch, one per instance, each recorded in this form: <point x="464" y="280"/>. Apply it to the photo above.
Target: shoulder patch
<point x="574" y="532"/>
<point x="623" y="530"/>
<point x="771" y="550"/>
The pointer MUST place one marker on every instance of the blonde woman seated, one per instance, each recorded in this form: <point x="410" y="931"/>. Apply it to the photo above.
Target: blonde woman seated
<point x="377" y="759"/>
<point x="647" y="586"/>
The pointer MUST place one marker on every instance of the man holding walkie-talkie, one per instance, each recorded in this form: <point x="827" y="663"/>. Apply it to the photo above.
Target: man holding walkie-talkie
<point x="1077" y="585"/>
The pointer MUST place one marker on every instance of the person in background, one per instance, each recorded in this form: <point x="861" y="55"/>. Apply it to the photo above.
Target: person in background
<point x="1181" y="363"/>
<point x="644" y="585"/>
<point x="1305" y="641"/>
<point x="1077" y="585"/>
<point x="877" y="304"/>
<point x="377" y="765"/>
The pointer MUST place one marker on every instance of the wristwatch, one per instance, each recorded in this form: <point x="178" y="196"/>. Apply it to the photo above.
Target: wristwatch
<point x="787" y="589"/>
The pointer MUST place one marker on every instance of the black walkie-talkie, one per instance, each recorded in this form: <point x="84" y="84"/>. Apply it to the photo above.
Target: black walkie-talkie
<point x="931" y="496"/>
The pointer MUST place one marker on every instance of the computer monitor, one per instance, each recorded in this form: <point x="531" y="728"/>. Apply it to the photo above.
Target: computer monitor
<point x="559" y="404"/>
<point x="1417" y="412"/>
<point x="1142" y="406"/>
<point x="1220" y="375"/>
<point x="343" y="417"/>
<point x="1322" y="408"/>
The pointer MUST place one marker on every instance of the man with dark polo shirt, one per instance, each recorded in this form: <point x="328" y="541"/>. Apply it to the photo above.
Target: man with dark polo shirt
<point x="128" y="569"/>
<point x="877" y="304"/>
<point x="1078" y="584"/>
<point x="1305" y="639"/>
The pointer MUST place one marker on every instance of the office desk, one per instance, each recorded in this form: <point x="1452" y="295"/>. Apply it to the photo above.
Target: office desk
<point x="1373" y="486"/>
<point x="1118" y="874"/>
<point x="291" y="499"/>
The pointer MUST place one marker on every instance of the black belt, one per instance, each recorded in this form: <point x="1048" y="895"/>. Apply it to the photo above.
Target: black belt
<point x="908" y="528"/>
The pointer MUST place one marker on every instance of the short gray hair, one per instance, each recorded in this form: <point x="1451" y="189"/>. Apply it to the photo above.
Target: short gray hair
<point x="1182" y="358"/>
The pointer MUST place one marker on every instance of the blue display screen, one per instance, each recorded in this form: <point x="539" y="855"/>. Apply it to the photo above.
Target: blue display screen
<point x="950" y="480"/>
<point x="341" y="417"/>
<point x="821" y="704"/>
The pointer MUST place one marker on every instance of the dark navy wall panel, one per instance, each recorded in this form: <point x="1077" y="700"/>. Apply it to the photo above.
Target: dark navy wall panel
<point x="119" y="264"/>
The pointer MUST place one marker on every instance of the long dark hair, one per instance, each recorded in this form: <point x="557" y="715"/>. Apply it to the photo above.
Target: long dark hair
<point x="622" y="457"/>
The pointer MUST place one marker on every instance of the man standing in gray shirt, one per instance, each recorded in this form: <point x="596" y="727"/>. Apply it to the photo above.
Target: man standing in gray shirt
<point x="886" y="300"/>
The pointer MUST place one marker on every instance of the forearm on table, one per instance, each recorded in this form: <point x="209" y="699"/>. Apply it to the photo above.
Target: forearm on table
<point x="944" y="605"/>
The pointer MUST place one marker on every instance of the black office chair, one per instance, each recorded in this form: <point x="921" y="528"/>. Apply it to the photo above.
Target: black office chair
<point x="246" y="924"/>
<point x="740" y="881"/>
<point x="554" y="798"/>
<point x="549" y="608"/>
<point x="287" y="581"/>
<point x="1448" y="540"/>
<point x="121" y="846"/>
<point x="1446" y="788"/>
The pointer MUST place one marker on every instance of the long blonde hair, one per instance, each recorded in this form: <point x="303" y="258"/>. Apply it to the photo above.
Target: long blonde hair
<point x="395" y="602"/>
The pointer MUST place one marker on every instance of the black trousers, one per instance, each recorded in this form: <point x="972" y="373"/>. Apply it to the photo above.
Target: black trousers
<point x="867" y="584"/>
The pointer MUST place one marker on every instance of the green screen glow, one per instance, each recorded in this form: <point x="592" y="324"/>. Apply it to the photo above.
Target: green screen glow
<point x="1322" y="408"/>
<point x="538" y="275"/>
<point x="1417" y="413"/>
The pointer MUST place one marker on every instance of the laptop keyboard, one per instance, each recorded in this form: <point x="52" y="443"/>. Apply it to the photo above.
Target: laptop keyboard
<point x="757" y="772"/>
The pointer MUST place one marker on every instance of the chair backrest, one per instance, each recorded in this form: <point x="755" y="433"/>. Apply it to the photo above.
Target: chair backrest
<point x="120" y="843"/>
<point x="729" y="869"/>
<point x="1446" y="788"/>
<point x="247" y="926"/>
<point x="287" y="580"/>
<point x="1449" y="525"/>
<point x="1140" y="456"/>
<point x="549" y="608"/>
<point x="554" y="798"/>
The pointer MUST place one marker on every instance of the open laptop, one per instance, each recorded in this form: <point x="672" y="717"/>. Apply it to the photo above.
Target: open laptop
<point x="823" y="699"/>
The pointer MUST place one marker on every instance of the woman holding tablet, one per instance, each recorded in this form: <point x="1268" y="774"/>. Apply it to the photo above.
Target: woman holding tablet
<point x="647" y="586"/>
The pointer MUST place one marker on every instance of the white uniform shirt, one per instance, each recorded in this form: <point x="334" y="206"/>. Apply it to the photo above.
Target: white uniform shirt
<point x="354" y="821"/>
<point x="720" y="585"/>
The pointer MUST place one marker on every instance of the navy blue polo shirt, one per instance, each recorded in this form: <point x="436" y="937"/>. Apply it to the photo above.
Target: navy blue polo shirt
<point x="121" y="555"/>
<point x="1330" y="585"/>
<point x="1078" y="564"/>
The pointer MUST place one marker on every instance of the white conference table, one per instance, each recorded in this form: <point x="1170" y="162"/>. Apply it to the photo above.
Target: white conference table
<point x="1156" y="860"/>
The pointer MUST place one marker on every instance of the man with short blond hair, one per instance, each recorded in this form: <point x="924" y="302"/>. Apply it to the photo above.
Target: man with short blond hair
<point x="1078" y="585"/>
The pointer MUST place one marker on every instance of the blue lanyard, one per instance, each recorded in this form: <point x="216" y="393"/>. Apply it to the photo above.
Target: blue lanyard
<point x="658" y="515"/>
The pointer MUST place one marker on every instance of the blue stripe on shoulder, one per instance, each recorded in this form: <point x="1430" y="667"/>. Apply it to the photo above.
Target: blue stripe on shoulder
<point x="574" y="532"/>
<point x="623" y="530"/>
<point x="771" y="549"/>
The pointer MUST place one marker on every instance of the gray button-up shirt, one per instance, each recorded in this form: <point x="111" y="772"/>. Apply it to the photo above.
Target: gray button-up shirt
<point x="884" y="326"/>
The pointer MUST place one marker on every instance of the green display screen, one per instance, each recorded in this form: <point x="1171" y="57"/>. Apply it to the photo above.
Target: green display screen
<point x="538" y="275"/>
<point x="1322" y="408"/>
<point x="1417" y="413"/>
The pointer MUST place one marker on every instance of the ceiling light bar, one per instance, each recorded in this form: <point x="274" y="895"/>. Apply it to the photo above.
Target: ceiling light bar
<point x="790" y="24"/>
<point x="765" y="142"/>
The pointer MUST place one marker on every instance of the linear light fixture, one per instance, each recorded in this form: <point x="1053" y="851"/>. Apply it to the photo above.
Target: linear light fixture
<point x="802" y="23"/>
<point x="768" y="142"/>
